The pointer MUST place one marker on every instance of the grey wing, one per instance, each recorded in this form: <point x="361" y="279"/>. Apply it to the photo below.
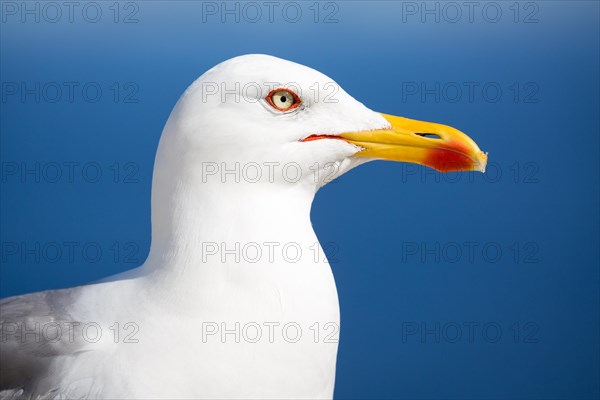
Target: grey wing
<point x="34" y="329"/>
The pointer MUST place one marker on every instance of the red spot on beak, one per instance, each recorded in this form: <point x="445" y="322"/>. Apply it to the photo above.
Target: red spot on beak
<point x="448" y="161"/>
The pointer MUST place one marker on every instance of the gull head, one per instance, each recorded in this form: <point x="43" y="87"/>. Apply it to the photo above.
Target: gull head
<point x="280" y="122"/>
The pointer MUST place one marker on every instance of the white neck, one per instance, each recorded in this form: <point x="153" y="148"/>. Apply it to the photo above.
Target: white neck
<point x="206" y="234"/>
<point x="193" y="214"/>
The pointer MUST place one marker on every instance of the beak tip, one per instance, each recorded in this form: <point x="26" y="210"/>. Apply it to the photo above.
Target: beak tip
<point x="482" y="161"/>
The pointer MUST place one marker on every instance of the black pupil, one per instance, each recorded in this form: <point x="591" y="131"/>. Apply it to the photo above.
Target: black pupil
<point x="283" y="99"/>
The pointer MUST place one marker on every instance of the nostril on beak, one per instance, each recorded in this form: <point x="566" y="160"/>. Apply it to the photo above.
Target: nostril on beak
<point x="428" y="135"/>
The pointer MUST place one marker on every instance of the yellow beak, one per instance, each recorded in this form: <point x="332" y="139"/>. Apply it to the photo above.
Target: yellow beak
<point x="437" y="146"/>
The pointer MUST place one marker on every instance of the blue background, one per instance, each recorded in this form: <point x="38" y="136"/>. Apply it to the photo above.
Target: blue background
<point x="540" y="196"/>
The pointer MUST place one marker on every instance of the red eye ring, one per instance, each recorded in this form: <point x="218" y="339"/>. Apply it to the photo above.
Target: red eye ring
<point x="272" y="104"/>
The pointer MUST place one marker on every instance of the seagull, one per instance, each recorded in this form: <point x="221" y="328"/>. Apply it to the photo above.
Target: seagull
<point x="235" y="299"/>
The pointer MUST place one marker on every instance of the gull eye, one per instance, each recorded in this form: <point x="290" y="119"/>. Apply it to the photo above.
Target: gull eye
<point x="283" y="99"/>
